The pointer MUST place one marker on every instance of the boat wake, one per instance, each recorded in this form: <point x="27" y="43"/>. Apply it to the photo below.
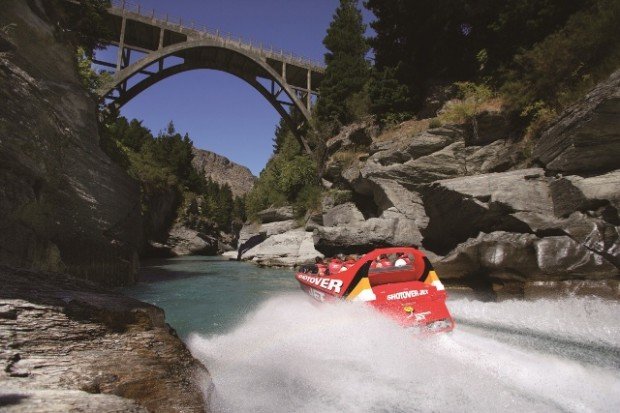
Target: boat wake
<point x="290" y="355"/>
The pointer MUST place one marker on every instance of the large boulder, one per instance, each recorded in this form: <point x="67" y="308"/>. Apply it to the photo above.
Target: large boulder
<point x="289" y="249"/>
<point x="186" y="241"/>
<point x="252" y="229"/>
<point x="414" y="165"/>
<point x="254" y="233"/>
<point x="274" y="214"/>
<point x="586" y="137"/>
<point x="498" y="156"/>
<point x="342" y="215"/>
<point x="460" y="208"/>
<point x="600" y="190"/>
<point x="403" y="147"/>
<point x="490" y="125"/>
<point x="366" y="235"/>
<point x="518" y="257"/>
<point x="352" y="137"/>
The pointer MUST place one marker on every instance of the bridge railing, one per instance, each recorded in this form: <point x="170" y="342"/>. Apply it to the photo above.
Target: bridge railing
<point x="224" y="37"/>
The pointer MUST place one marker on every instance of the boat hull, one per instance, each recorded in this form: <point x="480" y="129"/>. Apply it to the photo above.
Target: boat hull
<point x="412" y="295"/>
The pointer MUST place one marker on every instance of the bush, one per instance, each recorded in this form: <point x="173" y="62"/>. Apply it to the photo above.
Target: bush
<point x="288" y="178"/>
<point x="340" y="196"/>
<point x="472" y="98"/>
<point x="345" y="159"/>
<point x="8" y="29"/>
<point x="555" y="72"/>
<point x="308" y="200"/>
<point x="91" y="80"/>
<point x="435" y="123"/>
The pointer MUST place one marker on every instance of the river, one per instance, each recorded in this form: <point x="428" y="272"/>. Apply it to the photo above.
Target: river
<point x="270" y="349"/>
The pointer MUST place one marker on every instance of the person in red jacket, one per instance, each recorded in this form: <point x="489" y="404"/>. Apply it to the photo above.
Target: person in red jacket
<point x="334" y="266"/>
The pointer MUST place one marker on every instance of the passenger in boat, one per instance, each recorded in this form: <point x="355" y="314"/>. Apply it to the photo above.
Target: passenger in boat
<point x="320" y="266"/>
<point x="349" y="261"/>
<point x="402" y="260"/>
<point x="335" y="265"/>
<point x="381" y="261"/>
<point x="385" y="261"/>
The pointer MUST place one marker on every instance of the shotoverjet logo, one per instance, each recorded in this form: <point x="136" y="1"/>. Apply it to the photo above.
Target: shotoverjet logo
<point x="327" y="283"/>
<point x="406" y="294"/>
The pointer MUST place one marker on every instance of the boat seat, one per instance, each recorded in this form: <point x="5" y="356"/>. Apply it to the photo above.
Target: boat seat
<point x="390" y="275"/>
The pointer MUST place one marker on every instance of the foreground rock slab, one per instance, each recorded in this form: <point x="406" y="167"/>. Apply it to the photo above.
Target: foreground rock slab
<point x="15" y="400"/>
<point x="64" y="343"/>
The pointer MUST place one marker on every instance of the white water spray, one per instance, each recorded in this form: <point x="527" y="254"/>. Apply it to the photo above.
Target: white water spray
<point x="293" y="356"/>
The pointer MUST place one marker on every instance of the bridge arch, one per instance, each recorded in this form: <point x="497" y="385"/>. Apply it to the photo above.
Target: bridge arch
<point x="206" y="54"/>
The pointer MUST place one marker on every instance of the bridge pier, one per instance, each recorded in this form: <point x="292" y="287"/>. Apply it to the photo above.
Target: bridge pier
<point x="309" y="90"/>
<point x="161" y="38"/>
<point x="121" y="43"/>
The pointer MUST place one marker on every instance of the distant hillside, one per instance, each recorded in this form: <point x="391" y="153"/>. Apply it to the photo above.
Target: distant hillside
<point x="223" y="171"/>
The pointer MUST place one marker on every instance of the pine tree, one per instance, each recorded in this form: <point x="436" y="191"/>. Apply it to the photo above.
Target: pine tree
<point x="347" y="70"/>
<point x="390" y="99"/>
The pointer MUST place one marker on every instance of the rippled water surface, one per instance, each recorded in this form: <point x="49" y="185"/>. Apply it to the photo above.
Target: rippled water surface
<point x="270" y="349"/>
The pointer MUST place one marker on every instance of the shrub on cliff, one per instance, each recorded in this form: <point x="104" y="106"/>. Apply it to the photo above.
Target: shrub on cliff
<point x="83" y="26"/>
<point x="290" y="177"/>
<point x="558" y="70"/>
<point x="541" y="55"/>
<point x="473" y="98"/>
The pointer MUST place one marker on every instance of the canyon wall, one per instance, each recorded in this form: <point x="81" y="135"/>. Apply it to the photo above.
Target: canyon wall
<point x="64" y="205"/>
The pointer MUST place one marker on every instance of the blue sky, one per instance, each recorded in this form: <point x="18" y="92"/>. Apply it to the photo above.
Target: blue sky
<point x="220" y="112"/>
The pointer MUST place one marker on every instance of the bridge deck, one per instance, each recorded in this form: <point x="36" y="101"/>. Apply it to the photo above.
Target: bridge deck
<point x="147" y="32"/>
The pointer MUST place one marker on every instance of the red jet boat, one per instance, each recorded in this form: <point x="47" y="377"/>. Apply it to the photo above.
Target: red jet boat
<point x="409" y="290"/>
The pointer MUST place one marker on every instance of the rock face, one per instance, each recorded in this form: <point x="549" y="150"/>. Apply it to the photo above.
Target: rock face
<point x="64" y="205"/>
<point x="223" y="171"/>
<point x="510" y="256"/>
<point x="159" y="214"/>
<point x="486" y="219"/>
<point x="70" y="346"/>
<point x="586" y="138"/>
<point x="352" y="137"/>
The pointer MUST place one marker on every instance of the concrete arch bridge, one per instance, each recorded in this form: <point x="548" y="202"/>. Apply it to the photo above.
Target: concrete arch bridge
<point x="167" y="47"/>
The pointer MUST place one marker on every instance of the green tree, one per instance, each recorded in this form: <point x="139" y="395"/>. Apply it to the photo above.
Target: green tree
<point x="286" y="179"/>
<point x="130" y="134"/>
<point x="174" y="151"/>
<point x="557" y="70"/>
<point x="347" y="70"/>
<point x="389" y="98"/>
<point x="444" y="41"/>
<point x="238" y="212"/>
<point x="82" y="25"/>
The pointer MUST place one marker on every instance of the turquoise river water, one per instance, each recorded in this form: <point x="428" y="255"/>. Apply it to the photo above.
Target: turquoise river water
<point x="270" y="349"/>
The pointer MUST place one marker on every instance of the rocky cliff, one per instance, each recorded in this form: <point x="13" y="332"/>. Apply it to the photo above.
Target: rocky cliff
<point x="66" y="343"/>
<point x="491" y="212"/>
<point x="64" y="205"/>
<point x="223" y="171"/>
<point x="179" y="224"/>
<point x="71" y="346"/>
